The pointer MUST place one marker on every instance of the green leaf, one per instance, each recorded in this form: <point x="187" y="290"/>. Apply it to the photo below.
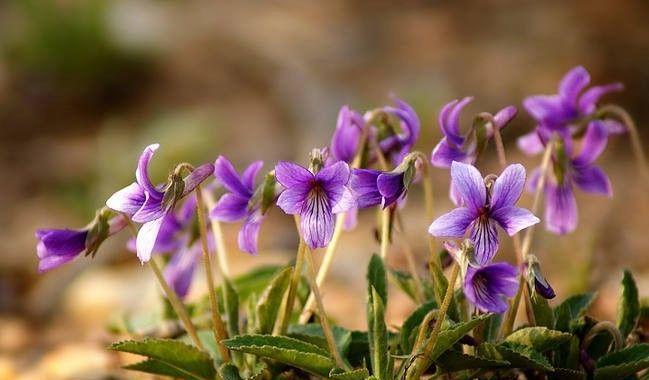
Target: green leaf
<point x="521" y="356"/>
<point x="491" y="328"/>
<point x="290" y="351"/>
<point x="411" y="326"/>
<point x="356" y="374"/>
<point x="439" y="289"/>
<point x="406" y="283"/>
<point x="377" y="278"/>
<point x="543" y="315"/>
<point x="377" y="334"/>
<point x="628" y="309"/>
<point x="231" y="305"/>
<point x="169" y="356"/>
<point x="270" y="301"/>
<point x="312" y="333"/>
<point x="229" y="371"/>
<point x="359" y="350"/>
<point x="572" y="308"/>
<point x="623" y="363"/>
<point x="539" y="338"/>
<point x="447" y="338"/>
<point x="566" y="373"/>
<point x="452" y="361"/>
<point x="254" y="281"/>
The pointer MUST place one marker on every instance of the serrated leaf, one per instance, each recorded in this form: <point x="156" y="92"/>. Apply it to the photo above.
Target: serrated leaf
<point x="521" y="356"/>
<point x="573" y="307"/>
<point x="566" y="373"/>
<point x="229" y="371"/>
<point x="290" y="351"/>
<point x="377" y="278"/>
<point x="313" y="333"/>
<point x="411" y="326"/>
<point x="623" y="363"/>
<point x="539" y="338"/>
<point x="543" y="315"/>
<point x="356" y="374"/>
<point x="174" y="356"/>
<point x="377" y="334"/>
<point x="628" y="309"/>
<point x="452" y="361"/>
<point x="270" y="301"/>
<point x="447" y="338"/>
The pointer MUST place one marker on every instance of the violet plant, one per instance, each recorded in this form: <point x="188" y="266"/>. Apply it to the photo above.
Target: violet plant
<point x="271" y="323"/>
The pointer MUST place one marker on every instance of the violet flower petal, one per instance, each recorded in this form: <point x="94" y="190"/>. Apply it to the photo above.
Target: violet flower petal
<point x="230" y="208"/>
<point x="226" y="175"/>
<point x="469" y="185"/>
<point x="179" y="272"/>
<point x="317" y="223"/>
<point x="363" y="183"/>
<point x="513" y="219"/>
<point x="508" y="187"/>
<point x="452" y="224"/>
<point x="530" y="143"/>
<point x="150" y="210"/>
<point x="146" y="239"/>
<point x="249" y="233"/>
<point x="346" y="137"/>
<point x="292" y="175"/>
<point x="444" y="154"/>
<point x="391" y="187"/>
<point x="250" y="173"/>
<point x="588" y="100"/>
<point x="333" y="177"/>
<point x="484" y="236"/>
<point x="593" y="144"/>
<point x="196" y="177"/>
<point x="486" y="287"/>
<point x="142" y="171"/>
<point x="127" y="200"/>
<point x="560" y="208"/>
<point x="572" y="84"/>
<point x="592" y="179"/>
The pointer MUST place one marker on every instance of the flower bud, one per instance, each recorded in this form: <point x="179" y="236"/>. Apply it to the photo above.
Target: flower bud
<point x="535" y="279"/>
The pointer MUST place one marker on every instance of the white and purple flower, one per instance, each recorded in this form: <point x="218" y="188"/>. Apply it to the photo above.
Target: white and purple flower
<point x="236" y="205"/>
<point x="481" y="209"/>
<point x="315" y="197"/>
<point x="149" y="204"/>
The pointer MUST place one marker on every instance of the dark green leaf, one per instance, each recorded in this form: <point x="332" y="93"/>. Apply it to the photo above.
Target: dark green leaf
<point x="628" y="309"/>
<point x="623" y="363"/>
<point x="448" y="337"/>
<point x="572" y="308"/>
<point x="157" y="367"/>
<point x="439" y="289"/>
<point x="290" y="351"/>
<point x="521" y="356"/>
<point x="490" y="329"/>
<point x="539" y="338"/>
<point x="377" y="279"/>
<point x="270" y="301"/>
<point x="254" y="281"/>
<point x="566" y="373"/>
<point x="452" y="361"/>
<point x="229" y="371"/>
<point x="377" y="334"/>
<point x="313" y="334"/>
<point x="231" y="305"/>
<point x="170" y="356"/>
<point x="357" y="374"/>
<point x="543" y="315"/>
<point x="410" y="326"/>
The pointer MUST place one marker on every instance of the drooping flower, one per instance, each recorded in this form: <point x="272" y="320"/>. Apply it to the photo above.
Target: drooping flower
<point x="481" y="210"/>
<point x="149" y="204"/>
<point x="346" y="138"/>
<point x="571" y="170"/>
<point x="398" y="143"/>
<point x="535" y="279"/>
<point x="488" y="286"/>
<point x="316" y="197"/>
<point x="462" y="148"/>
<point x="179" y="272"/>
<point x="236" y="204"/>
<point x="560" y="112"/>
<point x="58" y="246"/>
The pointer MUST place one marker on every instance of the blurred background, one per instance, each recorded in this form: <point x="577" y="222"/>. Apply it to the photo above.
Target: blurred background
<point x="85" y="85"/>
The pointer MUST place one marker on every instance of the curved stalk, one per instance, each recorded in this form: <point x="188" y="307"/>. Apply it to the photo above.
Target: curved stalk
<point x="217" y="232"/>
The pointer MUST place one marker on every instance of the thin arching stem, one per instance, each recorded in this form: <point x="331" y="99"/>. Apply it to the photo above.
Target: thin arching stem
<point x="285" y="316"/>
<point x="176" y="303"/>
<point x="217" y="232"/>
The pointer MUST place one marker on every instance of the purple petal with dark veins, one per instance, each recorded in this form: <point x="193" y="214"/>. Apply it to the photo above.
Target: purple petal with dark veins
<point x="469" y="185"/>
<point x="452" y="224"/>
<point x="487" y="287"/>
<point x="293" y="176"/>
<point x="364" y="187"/>
<point x="226" y="175"/>
<point x="150" y="210"/>
<point x="484" y="236"/>
<point x="444" y="154"/>
<point x="513" y="219"/>
<point x="142" y="172"/>
<point x="317" y="220"/>
<point x="508" y="187"/>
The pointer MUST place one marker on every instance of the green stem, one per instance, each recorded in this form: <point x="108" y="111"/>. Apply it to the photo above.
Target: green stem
<point x="285" y="316"/>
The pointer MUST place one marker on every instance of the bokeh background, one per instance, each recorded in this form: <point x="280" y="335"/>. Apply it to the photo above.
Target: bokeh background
<point x="85" y="85"/>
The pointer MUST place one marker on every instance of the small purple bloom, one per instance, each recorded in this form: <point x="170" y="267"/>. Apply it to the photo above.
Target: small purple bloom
<point x="373" y="187"/>
<point x="556" y="113"/>
<point x="149" y="204"/>
<point x="179" y="272"/>
<point x="456" y="147"/>
<point x="396" y="146"/>
<point x="480" y="211"/>
<point x="346" y="138"/>
<point x="560" y="205"/>
<point x="235" y="205"/>
<point x="58" y="246"/>
<point x="488" y="286"/>
<point x="315" y="197"/>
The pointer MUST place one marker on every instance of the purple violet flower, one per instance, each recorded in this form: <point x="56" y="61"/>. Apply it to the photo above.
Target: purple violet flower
<point x="179" y="272"/>
<point x="373" y="187"/>
<point x="480" y="210"/>
<point x="58" y="246"/>
<point x="560" y="204"/>
<point x="316" y="197"/>
<point x="396" y="146"/>
<point x="572" y="103"/>
<point x="148" y="204"/>
<point x="235" y="205"/>
<point x="456" y="147"/>
<point x="346" y="138"/>
<point x="488" y="286"/>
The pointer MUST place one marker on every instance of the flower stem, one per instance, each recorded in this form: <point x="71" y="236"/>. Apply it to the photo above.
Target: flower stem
<point x="410" y="259"/>
<point x="510" y="319"/>
<point x="217" y="232"/>
<point x="636" y="143"/>
<point x="307" y="311"/>
<point x="219" y="329"/>
<point x="324" y="321"/>
<point x="422" y="361"/>
<point x="285" y="316"/>
<point x="176" y="303"/>
<point x="385" y="232"/>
